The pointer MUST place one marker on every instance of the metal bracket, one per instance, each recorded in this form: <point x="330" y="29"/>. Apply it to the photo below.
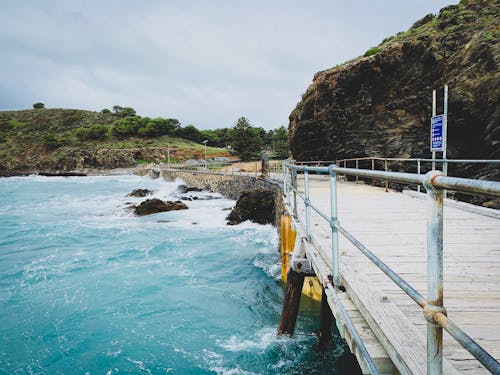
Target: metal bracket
<point x="302" y="265"/>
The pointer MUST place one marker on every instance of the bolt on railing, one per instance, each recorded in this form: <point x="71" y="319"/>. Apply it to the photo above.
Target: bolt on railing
<point x="434" y="312"/>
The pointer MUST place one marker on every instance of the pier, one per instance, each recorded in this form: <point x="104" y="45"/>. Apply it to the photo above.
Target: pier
<point x="412" y="279"/>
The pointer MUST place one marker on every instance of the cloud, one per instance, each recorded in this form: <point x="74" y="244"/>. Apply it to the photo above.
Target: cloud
<point x="203" y="62"/>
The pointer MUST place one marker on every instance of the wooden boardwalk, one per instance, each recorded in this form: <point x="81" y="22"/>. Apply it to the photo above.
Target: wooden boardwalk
<point x="393" y="226"/>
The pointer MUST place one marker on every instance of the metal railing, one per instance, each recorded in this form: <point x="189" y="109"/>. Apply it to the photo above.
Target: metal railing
<point x="419" y="165"/>
<point x="435" y="183"/>
<point x="224" y="168"/>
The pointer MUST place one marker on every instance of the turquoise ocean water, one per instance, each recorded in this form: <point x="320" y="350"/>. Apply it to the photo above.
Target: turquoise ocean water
<point x="88" y="288"/>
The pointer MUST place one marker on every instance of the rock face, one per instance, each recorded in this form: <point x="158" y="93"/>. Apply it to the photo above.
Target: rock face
<point x="153" y="206"/>
<point x="139" y="193"/>
<point x="256" y="206"/>
<point x="381" y="104"/>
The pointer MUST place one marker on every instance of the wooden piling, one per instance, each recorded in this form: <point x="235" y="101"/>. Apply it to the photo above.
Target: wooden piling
<point x="324" y="331"/>
<point x="294" y="284"/>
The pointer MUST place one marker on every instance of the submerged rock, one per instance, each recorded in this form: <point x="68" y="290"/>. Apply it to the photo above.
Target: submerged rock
<point x="185" y="189"/>
<point x="153" y="206"/>
<point x="154" y="174"/>
<point x="139" y="193"/>
<point x="256" y="206"/>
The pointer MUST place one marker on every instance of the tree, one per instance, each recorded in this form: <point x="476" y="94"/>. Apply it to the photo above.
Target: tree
<point x="124" y="111"/>
<point x="38" y="105"/>
<point x="280" y="143"/>
<point x="159" y="126"/>
<point x="128" y="126"/>
<point x="246" y="140"/>
<point x="211" y="136"/>
<point x="223" y="137"/>
<point x="190" y="132"/>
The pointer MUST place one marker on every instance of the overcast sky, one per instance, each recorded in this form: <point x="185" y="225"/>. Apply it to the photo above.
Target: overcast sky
<point x="203" y="62"/>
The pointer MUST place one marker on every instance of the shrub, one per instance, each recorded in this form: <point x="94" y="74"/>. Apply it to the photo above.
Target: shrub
<point x="52" y="141"/>
<point x="38" y="105"/>
<point x="428" y="18"/>
<point x="105" y="110"/>
<point x="94" y="132"/>
<point x="372" y="51"/>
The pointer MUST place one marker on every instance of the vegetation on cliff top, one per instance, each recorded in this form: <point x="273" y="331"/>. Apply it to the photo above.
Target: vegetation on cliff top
<point x="448" y="24"/>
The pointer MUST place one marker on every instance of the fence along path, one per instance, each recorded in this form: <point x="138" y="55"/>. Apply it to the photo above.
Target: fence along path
<point x="393" y="226"/>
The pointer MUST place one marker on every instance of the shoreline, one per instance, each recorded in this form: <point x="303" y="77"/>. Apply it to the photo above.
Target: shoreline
<point x="77" y="173"/>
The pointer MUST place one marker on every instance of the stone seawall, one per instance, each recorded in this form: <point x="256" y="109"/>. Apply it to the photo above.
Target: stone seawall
<point x="230" y="186"/>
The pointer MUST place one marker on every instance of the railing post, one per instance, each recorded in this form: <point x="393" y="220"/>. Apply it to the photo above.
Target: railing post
<point x="418" y="171"/>
<point x="386" y="181"/>
<point x="434" y="275"/>
<point x="335" y="235"/>
<point x="294" y="186"/>
<point x="307" y="203"/>
<point x="285" y="182"/>
<point x="357" y="167"/>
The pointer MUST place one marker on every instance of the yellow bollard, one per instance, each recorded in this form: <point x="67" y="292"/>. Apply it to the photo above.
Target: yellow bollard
<point x="288" y="235"/>
<point x="312" y="287"/>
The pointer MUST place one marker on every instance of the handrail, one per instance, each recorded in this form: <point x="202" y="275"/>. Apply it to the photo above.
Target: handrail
<point x="222" y="168"/>
<point x="435" y="183"/>
<point x="338" y="161"/>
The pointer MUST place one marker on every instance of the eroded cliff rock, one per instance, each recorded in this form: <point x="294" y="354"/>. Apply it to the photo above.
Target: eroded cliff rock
<point x="380" y="105"/>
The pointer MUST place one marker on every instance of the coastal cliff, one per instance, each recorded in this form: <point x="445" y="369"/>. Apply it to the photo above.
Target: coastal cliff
<point x="380" y="104"/>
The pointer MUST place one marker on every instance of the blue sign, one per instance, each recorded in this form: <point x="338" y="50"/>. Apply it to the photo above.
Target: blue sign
<point x="437" y="138"/>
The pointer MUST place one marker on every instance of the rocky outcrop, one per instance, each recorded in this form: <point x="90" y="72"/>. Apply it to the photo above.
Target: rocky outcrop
<point x="380" y="105"/>
<point x="139" y="193"/>
<point x="256" y="206"/>
<point x="153" y="206"/>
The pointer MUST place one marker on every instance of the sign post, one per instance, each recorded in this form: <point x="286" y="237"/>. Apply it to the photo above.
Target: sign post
<point x="437" y="133"/>
<point x="439" y="130"/>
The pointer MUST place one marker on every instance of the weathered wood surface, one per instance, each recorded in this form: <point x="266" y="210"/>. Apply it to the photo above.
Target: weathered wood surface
<point x="393" y="226"/>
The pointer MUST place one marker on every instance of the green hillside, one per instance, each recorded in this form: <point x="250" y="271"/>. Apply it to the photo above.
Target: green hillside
<point x="69" y="139"/>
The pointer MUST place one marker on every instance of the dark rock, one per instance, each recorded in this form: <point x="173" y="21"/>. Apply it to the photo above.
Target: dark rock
<point x="185" y="189"/>
<point x="154" y="174"/>
<point x="139" y="193"/>
<point x="152" y="206"/>
<point x="62" y="174"/>
<point x="182" y="189"/>
<point x="256" y="206"/>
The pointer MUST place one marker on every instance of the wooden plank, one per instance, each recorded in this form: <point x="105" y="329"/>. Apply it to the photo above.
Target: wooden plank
<point x="405" y="345"/>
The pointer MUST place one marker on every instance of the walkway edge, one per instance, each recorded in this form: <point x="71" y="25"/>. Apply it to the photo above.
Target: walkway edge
<point x="491" y="212"/>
